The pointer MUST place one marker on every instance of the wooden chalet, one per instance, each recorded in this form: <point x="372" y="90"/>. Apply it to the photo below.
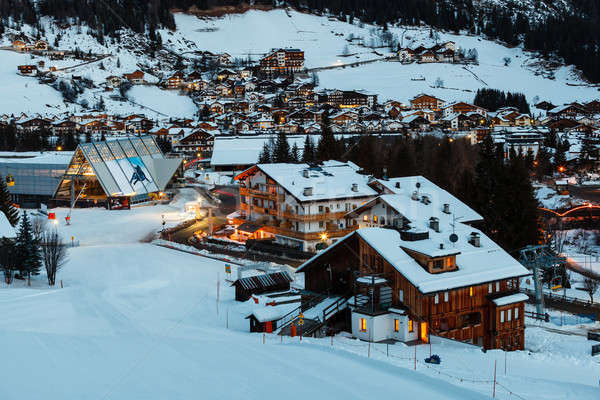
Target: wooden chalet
<point x="408" y="273"/>
<point x="425" y="101"/>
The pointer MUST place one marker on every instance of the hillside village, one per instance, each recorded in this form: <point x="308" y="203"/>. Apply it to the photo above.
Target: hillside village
<point x="274" y="221"/>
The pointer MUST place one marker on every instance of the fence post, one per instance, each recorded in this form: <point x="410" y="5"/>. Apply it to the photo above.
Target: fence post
<point x="494" y="390"/>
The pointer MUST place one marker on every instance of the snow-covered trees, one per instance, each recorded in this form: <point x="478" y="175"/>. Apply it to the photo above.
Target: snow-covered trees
<point x="8" y="259"/>
<point x="591" y="285"/>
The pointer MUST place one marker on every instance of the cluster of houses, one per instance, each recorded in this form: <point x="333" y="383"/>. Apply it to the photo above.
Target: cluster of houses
<point x="394" y="264"/>
<point x="440" y="53"/>
<point x="96" y="123"/>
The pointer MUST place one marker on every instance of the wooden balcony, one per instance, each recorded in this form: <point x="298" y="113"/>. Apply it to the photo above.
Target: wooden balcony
<point x="306" y="235"/>
<point x="313" y="217"/>
<point x="270" y="195"/>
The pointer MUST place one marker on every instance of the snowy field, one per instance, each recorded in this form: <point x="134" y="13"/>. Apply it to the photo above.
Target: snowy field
<point x="323" y="42"/>
<point x="22" y="93"/>
<point x="137" y="321"/>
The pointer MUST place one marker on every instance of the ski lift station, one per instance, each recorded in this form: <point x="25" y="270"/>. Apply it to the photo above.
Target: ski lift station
<point x="116" y="173"/>
<point x="113" y="173"/>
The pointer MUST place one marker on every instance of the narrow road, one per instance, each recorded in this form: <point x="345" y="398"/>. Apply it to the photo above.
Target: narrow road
<point x="586" y="192"/>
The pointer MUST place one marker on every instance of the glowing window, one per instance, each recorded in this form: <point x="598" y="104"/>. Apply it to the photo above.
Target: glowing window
<point x="365" y="218"/>
<point x="410" y="325"/>
<point x="375" y="218"/>
<point x="471" y="291"/>
<point x="396" y="325"/>
<point x="363" y="325"/>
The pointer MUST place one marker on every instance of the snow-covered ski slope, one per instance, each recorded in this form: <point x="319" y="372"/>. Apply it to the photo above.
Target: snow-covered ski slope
<point x="324" y="40"/>
<point x="137" y="321"/>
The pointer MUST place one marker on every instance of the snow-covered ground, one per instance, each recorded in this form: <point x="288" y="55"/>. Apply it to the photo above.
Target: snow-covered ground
<point x="138" y="321"/>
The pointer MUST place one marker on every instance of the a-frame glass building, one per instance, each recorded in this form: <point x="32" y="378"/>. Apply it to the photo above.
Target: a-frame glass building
<point x="129" y="168"/>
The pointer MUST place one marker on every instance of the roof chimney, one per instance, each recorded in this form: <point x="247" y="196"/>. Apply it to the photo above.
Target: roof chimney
<point x="397" y="185"/>
<point x="441" y="246"/>
<point x="446" y="209"/>
<point x="305" y="173"/>
<point x="434" y="223"/>
<point x="474" y="239"/>
<point x="355" y="187"/>
<point x="308" y="191"/>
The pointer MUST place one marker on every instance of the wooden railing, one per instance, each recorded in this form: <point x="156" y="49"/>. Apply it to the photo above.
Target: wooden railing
<point x="271" y="195"/>
<point x="306" y="235"/>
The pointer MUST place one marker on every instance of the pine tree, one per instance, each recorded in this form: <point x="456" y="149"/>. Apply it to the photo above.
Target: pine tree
<point x="6" y="205"/>
<point x="327" y="147"/>
<point x="28" y="250"/>
<point x="308" y="152"/>
<point x="265" y="155"/>
<point x="295" y="153"/>
<point x="281" y="153"/>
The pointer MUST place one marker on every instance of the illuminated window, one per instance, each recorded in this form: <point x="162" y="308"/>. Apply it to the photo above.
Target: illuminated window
<point x="410" y="325"/>
<point x="365" y="218"/>
<point x="396" y="325"/>
<point x="471" y="291"/>
<point x="363" y="325"/>
<point x="375" y="219"/>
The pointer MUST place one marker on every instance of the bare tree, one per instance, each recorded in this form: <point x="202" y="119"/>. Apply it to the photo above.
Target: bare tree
<point x="591" y="285"/>
<point x="54" y="253"/>
<point x="39" y="225"/>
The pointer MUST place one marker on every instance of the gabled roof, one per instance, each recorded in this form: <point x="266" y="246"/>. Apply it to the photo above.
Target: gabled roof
<point x="331" y="180"/>
<point x="476" y="265"/>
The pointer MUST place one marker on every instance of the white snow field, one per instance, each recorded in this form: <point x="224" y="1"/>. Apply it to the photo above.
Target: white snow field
<point x="22" y="93"/>
<point x="137" y="321"/>
<point x="323" y="42"/>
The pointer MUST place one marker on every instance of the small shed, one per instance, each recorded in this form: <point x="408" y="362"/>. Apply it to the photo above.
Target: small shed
<point x="267" y="319"/>
<point x="248" y="230"/>
<point x="246" y="287"/>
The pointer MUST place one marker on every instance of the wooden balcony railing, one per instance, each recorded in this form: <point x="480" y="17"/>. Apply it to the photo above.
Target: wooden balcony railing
<point x="271" y="195"/>
<point x="306" y="235"/>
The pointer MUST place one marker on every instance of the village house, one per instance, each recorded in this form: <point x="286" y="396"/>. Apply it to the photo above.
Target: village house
<point x="463" y="108"/>
<point x="136" y="77"/>
<point x="346" y="98"/>
<point x="425" y="101"/>
<point x="411" y="271"/>
<point x="27" y="69"/>
<point x="196" y="143"/>
<point x="300" y="205"/>
<point x="175" y="81"/>
<point x="282" y="61"/>
<point x="113" y="81"/>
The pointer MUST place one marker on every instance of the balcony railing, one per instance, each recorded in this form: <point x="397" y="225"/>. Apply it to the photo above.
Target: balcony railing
<point x="271" y="195"/>
<point x="306" y="235"/>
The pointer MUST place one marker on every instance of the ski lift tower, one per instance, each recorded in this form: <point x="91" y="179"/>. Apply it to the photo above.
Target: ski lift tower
<point x="539" y="258"/>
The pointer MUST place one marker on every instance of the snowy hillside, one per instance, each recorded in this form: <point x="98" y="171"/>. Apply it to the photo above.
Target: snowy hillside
<point x="326" y="43"/>
<point x="324" y="40"/>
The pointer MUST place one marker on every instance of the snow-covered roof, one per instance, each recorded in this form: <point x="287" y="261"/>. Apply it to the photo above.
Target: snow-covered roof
<point x="273" y="313"/>
<point x="513" y="298"/>
<point x="331" y="180"/>
<point x="404" y="188"/>
<point x="32" y="157"/>
<point x="240" y="150"/>
<point x="475" y="265"/>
